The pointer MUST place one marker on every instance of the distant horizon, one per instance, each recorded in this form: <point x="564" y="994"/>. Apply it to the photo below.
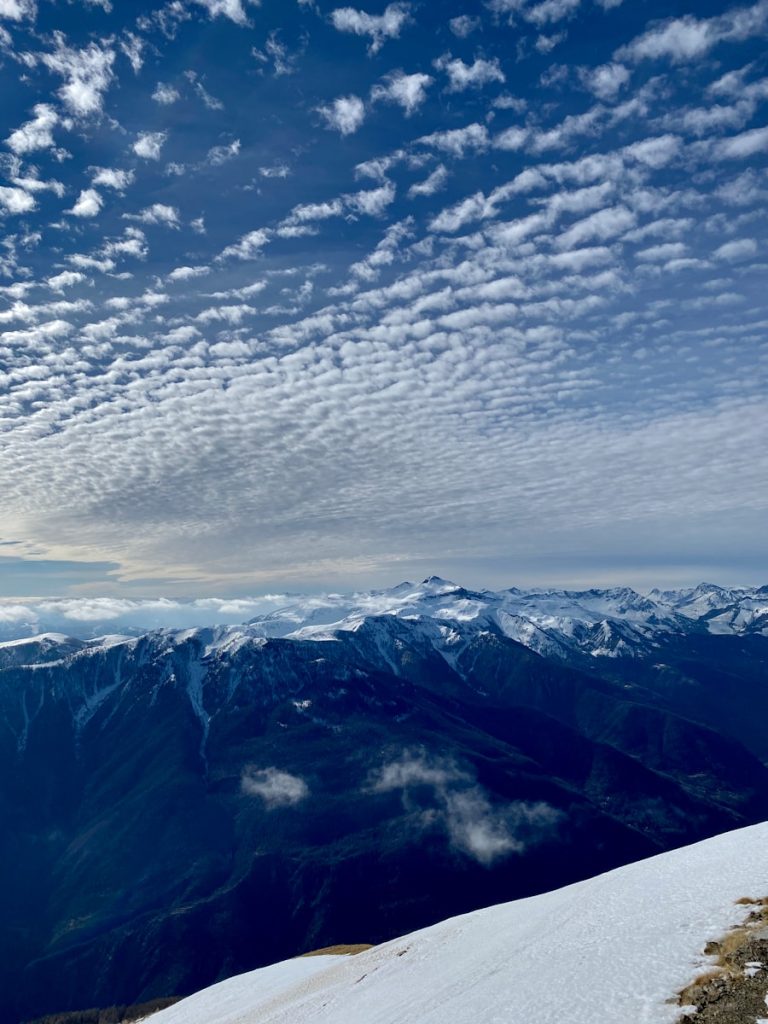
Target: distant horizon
<point x="641" y="583"/>
<point x="97" y="616"/>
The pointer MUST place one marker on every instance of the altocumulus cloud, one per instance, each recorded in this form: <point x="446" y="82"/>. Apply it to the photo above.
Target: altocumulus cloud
<point x="229" y="366"/>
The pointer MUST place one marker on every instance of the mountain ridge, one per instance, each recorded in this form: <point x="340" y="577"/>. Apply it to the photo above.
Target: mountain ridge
<point x="224" y="798"/>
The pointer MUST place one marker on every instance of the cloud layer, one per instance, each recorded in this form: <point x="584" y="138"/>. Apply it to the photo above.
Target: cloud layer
<point x="382" y="292"/>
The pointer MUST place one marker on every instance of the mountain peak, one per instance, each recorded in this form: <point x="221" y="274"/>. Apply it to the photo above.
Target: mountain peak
<point x="438" y="582"/>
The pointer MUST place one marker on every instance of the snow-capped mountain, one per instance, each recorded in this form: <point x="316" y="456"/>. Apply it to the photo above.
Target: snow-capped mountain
<point x="187" y="804"/>
<point x="619" y="947"/>
<point x="617" y="622"/>
<point x="611" y="623"/>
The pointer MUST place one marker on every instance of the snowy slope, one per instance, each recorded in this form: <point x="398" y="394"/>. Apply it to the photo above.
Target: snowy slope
<point x="610" y="950"/>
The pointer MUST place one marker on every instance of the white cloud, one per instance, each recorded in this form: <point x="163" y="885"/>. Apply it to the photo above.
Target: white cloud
<point x="464" y="25"/>
<point x="431" y="185"/>
<point x="545" y="44"/>
<point x="232" y="9"/>
<point x="132" y="243"/>
<point x="132" y="46"/>
<point x="149" y="144"/>
<point x="680" y="39"/>
<point x="110" y="177"/>
<point x="505" y="6"/>
<point x="475" y="207"/>
<point x="278" y="170"/>
<point x="276" y="788"/>
<point x="211" y="102"/>
<point x="248" y="247"/>
<point x="35" y="134"/>
<point x="165" y="94"/>
<point x="662" y="253"/>
<point x="18" y="10"/>
<point x="604" y="224"/>
<point x="731" y="84"/>
<point x="187" y="273"/>
<point x="309" y="212"/>
<point x="414" y="769"/>
<point x="87" y="74"/>
<point x="283" y="62"/>
<point x="373" y="202"/>
<point x="379" y="27"/>
<point x="656" y="152"/>
<point x="458" y="141"/>
<point x="605" y="81"/>
<point x="550" y="11"/>
<point x="409" y="91"/>
<point x="739" y="146"/>
<point x="218" y="155"/>
<point x="88" y="204"/>
<point x="469" y="76"/>
<point x="739" y="249"/>
<point x="513" y="138"/>
<point x="345" y="115"/>
<point x="687" y="38"/>
<point x="157" y="213"/>
<point x="472" y="823"/>
<point x="66" y="279"/>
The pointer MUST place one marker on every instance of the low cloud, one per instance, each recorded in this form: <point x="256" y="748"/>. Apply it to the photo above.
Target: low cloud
<point x="473" y="824"/>
<point x="86" y="617"/>
<point x="275" y="788"/>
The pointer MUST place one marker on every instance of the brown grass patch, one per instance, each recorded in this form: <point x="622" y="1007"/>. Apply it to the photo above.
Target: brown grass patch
<point x="723" y="984"/>
<point x="349" y="950"/>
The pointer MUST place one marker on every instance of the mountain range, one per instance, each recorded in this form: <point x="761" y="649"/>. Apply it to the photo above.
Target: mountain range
<point x="185" y="805"/>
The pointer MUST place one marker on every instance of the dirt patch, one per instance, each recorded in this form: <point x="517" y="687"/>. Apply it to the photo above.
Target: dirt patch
<point x="352" y="950"/>
<point x="734" y="989"/>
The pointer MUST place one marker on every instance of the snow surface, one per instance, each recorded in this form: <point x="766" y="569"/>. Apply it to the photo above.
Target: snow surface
<point x="611" y="950"/>
<point x="40" y="638"/>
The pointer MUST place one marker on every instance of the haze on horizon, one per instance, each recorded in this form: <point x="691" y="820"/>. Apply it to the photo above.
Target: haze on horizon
<point x="299" y="296"/>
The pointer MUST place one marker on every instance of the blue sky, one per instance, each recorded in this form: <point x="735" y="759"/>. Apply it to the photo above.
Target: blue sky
<point x="296" y="295"/>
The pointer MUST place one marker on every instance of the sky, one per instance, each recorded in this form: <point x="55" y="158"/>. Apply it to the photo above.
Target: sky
<point x="296" y="295"/>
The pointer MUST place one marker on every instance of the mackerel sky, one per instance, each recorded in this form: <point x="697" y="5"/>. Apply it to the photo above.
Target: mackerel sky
<point x="301" y="295"/>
